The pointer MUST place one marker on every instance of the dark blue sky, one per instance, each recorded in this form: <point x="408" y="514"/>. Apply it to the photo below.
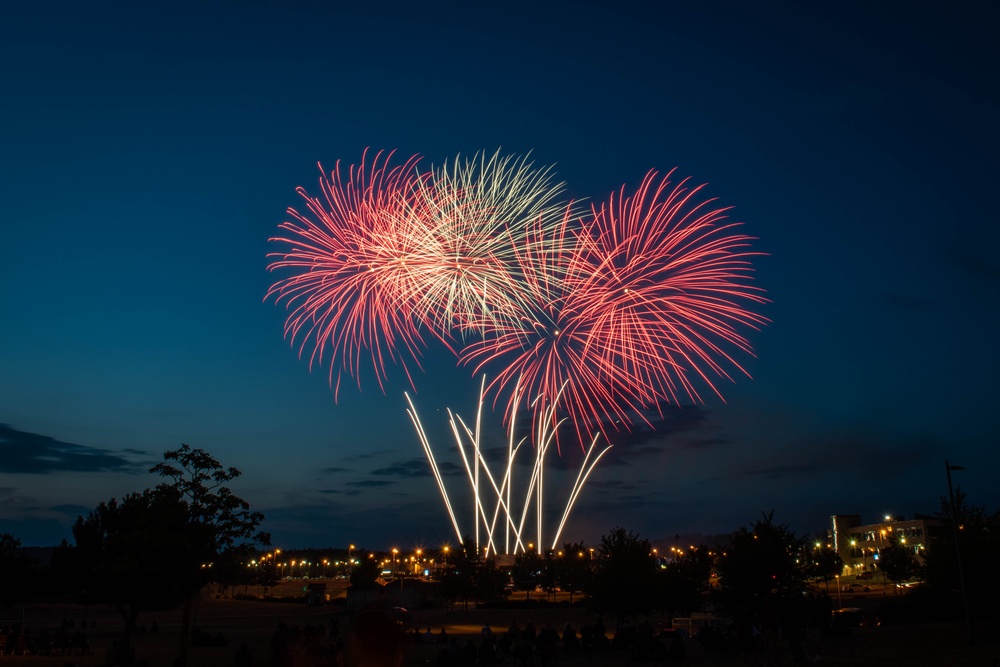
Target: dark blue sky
<point x="148" y="151"/>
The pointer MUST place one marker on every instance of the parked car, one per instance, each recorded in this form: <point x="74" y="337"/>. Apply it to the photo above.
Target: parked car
<point x="865" y="575"/>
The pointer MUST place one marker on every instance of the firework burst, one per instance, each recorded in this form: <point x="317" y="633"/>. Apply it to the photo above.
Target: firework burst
<point x="589" y="318"/>
<point x="664" y="280"/>
<point x="471" y="217"/>
<point x="353" y="284"/>
<point x="625" y="307"/>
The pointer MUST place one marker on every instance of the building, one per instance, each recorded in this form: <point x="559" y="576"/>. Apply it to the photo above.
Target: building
<point x="859" y="545"/>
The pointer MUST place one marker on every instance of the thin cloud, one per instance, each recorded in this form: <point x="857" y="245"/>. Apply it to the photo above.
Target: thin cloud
<point x="369" y="483"/>
<point x="340" y="492"/>
<point x="34" y="454"/>
<point x="404" y="469"/>
<point x="417" y="467"/>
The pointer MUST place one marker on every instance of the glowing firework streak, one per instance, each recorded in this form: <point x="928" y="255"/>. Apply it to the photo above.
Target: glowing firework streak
<point x="622" y="308"/>
<point x="485" y="517"/>
<point x="593" y="318"/>
<point x="470" y="218"/>
<point x="352" y="254"/>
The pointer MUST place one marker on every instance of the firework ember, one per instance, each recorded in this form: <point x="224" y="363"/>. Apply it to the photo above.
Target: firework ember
<point x="593" y="317"/>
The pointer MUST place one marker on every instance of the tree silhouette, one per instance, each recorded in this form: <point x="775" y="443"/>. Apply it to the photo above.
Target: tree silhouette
<point x="527" y="572"/>
<point x="761" y="580"/>
<point x="898" y="561"/>
<point x="16" y="568"/>
<point x="626" y="577"/>
<point x="138" y="554"/>
<point x="220" y="521"/>
<point x="471" y="577"/>
<point x="685" y="580"/>
<point x="573" y="568"/>
<point x="825" y="563"/>
<point x="155" y="549"/>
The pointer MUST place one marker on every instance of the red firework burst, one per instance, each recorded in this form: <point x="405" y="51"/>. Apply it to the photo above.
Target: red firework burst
<point x="352" y="288"/>
<point x="626" y="307"/>
<point x="593" y="318"/>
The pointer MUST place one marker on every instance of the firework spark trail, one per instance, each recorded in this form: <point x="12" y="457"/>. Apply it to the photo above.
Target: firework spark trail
<point x="591" y="317"/>
<point x="549" y="350"/>
<point x="468" y="441"/>
<point x="473" y="215"/>
<point x="425" y="443"/>
<point x="348" y="293"/>
<point x="625" y="307"/>
<point x="663" y="277"/>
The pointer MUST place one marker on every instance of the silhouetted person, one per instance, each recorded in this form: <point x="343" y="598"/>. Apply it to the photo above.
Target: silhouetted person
<point x="570" y="641"/>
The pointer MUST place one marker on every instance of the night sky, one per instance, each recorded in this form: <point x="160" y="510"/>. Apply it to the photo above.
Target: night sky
<point x="149" y="150"/>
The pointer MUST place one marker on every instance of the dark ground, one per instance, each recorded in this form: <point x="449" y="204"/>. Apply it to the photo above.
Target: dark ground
<point x="254" y="622"/>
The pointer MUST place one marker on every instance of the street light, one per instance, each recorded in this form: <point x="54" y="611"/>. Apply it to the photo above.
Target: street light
<point x="958" y="551"/>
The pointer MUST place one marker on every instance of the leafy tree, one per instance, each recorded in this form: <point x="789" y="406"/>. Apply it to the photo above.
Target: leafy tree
<point x="978" y="533"/>
<point x="137" y="554"/>
<point x="898" y="562"/>
<point x="573" y="568"/>
<point x="759" y="570"/>
<point x="221" y="521"/>
<point x="626" y="577"/>
<point x="548" y="578"/>
<point x="265" y="575"/>
<point x="527" y="571"/>
<point x="685" y="580"/>
<point x="464" y="580"/>
<point x="16" y="569"/>
<point x="825" y="563"/>
<point x="155" y="549"/>
<point x="366" y="572"/>
<point x="489" y="581"/>
<point x="200" y="480"/>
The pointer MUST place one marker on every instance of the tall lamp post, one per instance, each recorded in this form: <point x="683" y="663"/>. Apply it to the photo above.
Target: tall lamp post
<point x="958" y="551"/>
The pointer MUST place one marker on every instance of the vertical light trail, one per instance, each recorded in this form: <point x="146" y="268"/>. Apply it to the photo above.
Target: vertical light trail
<point x="498" y="497"/>
<point x="581" y="479"/>
<point x="425" y="443"/>
<point x="589" y="318"/>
